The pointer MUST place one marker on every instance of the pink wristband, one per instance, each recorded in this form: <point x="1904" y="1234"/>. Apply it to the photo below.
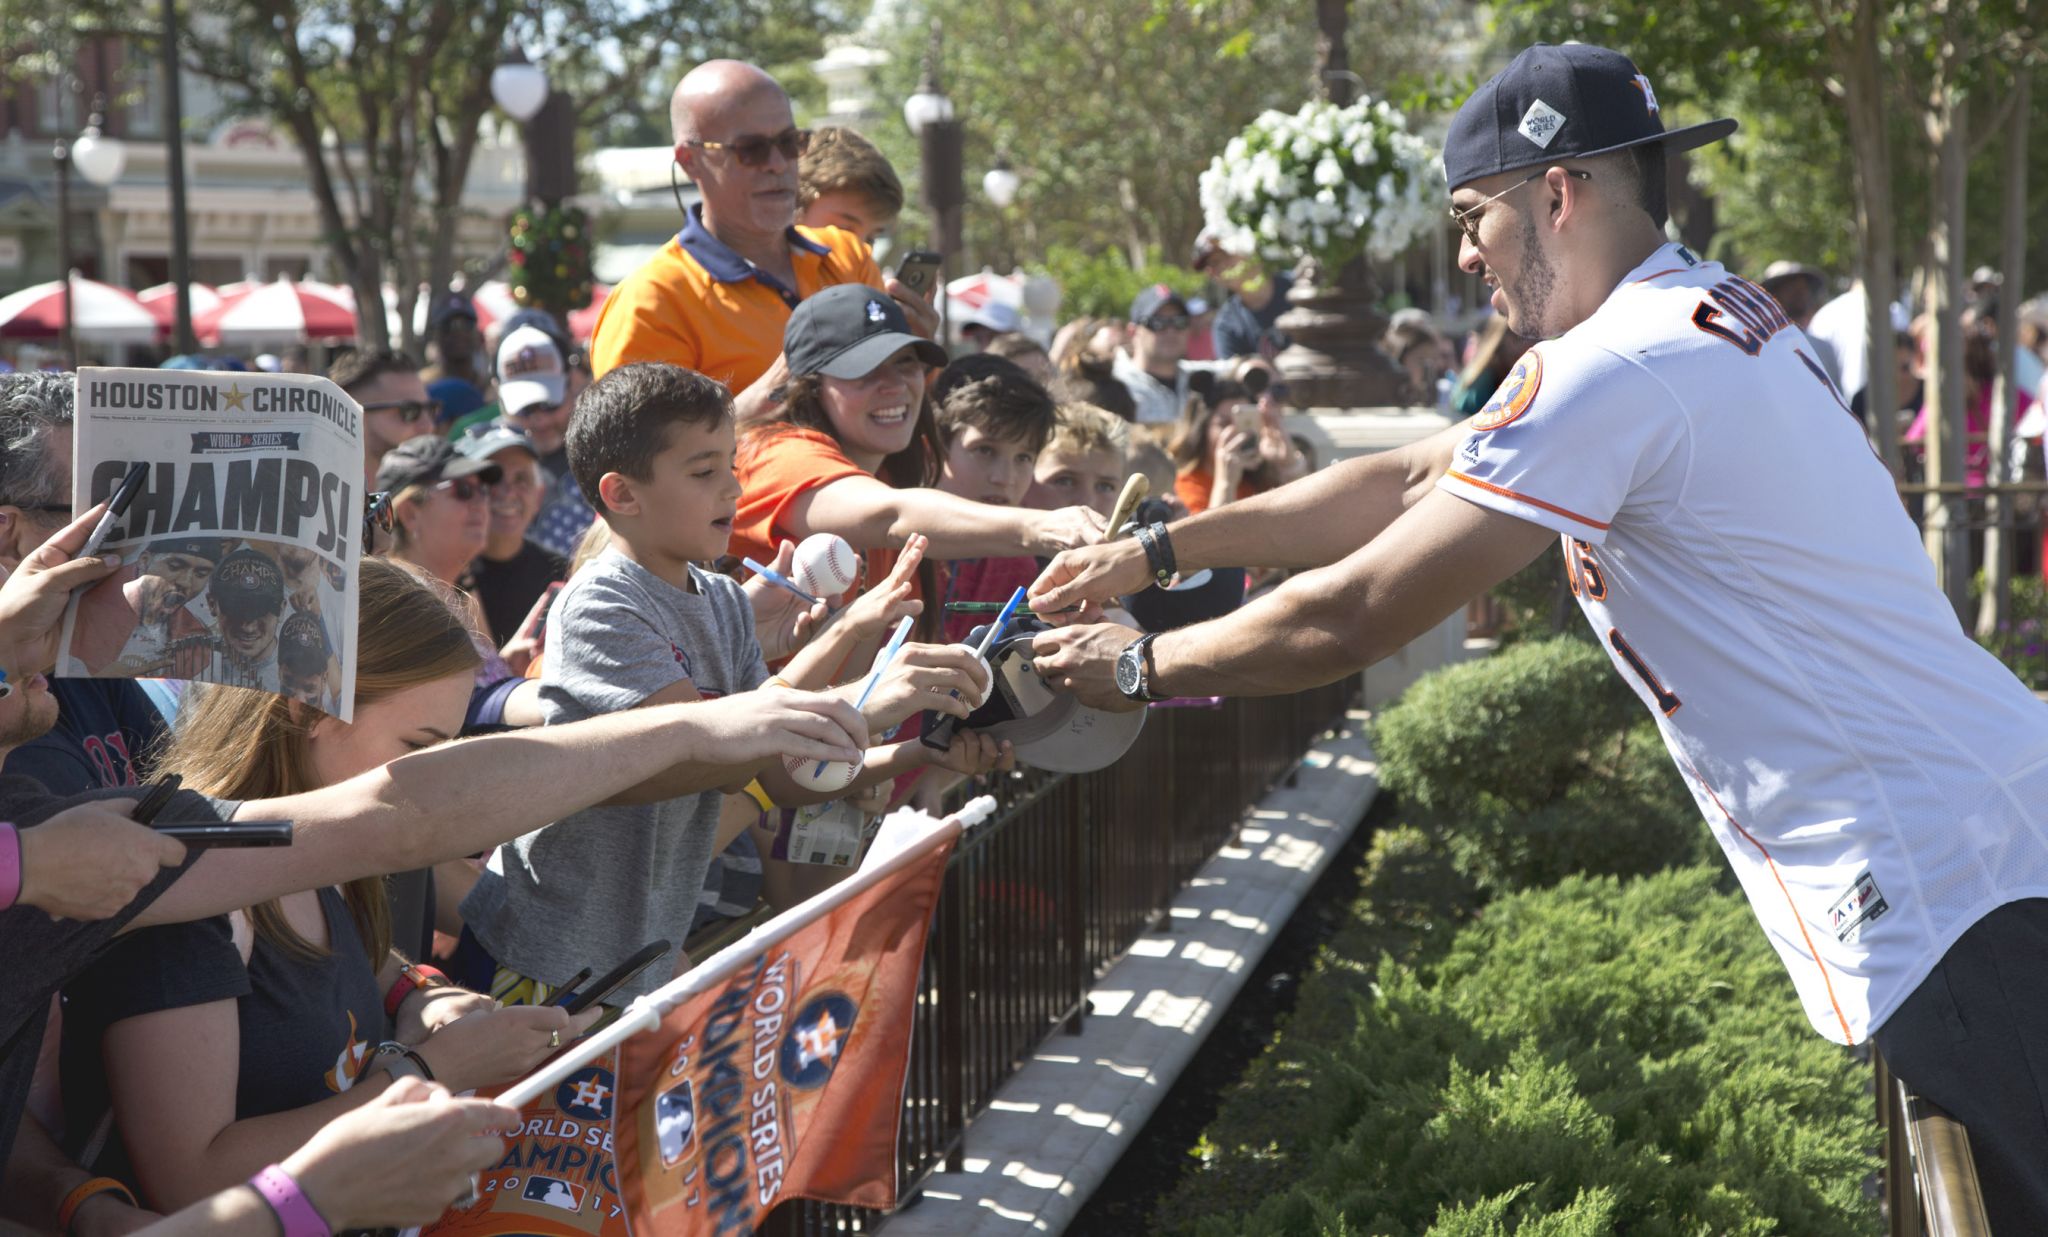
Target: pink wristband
<point x="294" y="1211"/>
<point x="10" y="865"/>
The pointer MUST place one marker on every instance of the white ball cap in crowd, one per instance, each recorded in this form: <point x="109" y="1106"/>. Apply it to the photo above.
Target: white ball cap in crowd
<point x="531" y="370"/>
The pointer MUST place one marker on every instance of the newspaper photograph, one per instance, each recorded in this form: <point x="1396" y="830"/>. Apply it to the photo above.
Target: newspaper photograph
<point x="238" y="542"/>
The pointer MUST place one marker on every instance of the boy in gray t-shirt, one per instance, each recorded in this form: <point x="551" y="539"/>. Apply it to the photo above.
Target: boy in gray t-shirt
<point x="652" y="448"/>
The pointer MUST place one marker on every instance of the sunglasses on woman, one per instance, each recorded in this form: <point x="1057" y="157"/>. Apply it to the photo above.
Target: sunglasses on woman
<point x="464" y="489"/>
<point x="752" y="150"/>
<point x="409" y="410"/>
<point x="376" y="518"/>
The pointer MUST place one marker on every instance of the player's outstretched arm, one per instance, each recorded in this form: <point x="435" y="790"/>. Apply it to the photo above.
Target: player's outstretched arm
<point x="1321" y="625"/>
<point x="469" y="796"/>
<point x="1312" y="522"/>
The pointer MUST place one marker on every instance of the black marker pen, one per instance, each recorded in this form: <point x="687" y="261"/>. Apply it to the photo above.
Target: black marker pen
<point x="124" y="494"/>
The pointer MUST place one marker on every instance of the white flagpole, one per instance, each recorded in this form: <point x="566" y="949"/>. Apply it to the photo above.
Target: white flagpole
<point x="646" y="1012"/>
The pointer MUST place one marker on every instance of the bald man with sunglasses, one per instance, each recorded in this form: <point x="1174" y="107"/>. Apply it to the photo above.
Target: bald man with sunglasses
<point x="716" y="298"/>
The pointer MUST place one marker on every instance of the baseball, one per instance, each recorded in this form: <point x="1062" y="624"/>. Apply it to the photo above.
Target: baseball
<point x="837" y="774"/>
<point x="825" y="565"/>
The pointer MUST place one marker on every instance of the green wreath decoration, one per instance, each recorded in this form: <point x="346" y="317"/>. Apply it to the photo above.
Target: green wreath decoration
<point x="550" y="258"/>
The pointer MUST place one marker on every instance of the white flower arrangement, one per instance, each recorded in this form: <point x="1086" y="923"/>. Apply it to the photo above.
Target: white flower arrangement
<point x="1323" y="183"/>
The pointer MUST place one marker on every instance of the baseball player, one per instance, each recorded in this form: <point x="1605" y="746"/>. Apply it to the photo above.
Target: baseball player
<point x="1879" y="782"/>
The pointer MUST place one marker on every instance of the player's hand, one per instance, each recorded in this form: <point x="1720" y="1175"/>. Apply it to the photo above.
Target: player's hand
<point x="927" y="676"/>
<point x="1095" y="575"/>
<point x="783" y="621"/>
<point x="89" y="861"/>
<point x="1082" y="660"/>
<point x="973" y="754"/>
<point x="1066" y="529"/>
<point x="757" y="726"/>
<point x="500" y="1045"/>
<point x="400" y="1159"/>
<point x="924" y="320"/>
<point x="32" y="600"/>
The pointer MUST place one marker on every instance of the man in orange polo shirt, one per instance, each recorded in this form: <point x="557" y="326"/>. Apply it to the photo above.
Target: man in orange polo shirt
<point x="716" y="298"/>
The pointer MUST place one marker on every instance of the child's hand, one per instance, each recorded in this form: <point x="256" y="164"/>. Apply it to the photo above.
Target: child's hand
<point x="972" y="753"/>
<point x="878" y="609"/>
<point x="947" y="678"/>
<point x="782" y="622"/>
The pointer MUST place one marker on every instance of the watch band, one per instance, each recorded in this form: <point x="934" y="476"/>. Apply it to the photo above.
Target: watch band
<point x="1158" y="552"/>
<point x="10" y="865"/>
<point x="294" y="1210"/>
<point x="412" y="976"/>
<point x="399" y="1060"/>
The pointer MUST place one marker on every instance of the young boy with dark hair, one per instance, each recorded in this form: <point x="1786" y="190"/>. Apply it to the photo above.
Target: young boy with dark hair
<point x="651" y="446"/>
<point x="993" y="420"/>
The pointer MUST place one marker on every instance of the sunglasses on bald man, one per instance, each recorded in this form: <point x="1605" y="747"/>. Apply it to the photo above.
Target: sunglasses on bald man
<point x="752" y="150"/>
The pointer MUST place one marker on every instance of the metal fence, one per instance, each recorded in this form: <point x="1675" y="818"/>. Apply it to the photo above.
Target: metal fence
<point x="1065" y="878"/>
<point x="1930" y="1177"/>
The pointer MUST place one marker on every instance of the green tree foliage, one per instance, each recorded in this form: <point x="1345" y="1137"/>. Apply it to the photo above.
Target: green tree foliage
<point x="1103" y="284"/>
<point x="1601" y="1056"/>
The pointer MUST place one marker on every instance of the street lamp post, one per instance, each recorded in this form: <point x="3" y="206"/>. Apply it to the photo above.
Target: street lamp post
<point x="1001" y="183"/>
<point x="100" y="160"/>
<point x="941" y="163"/>
<point x="174" y="155"/>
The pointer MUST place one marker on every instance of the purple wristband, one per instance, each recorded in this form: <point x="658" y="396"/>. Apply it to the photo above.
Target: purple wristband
<point x="294" y="1211"/>
<point x="10" y="865"/>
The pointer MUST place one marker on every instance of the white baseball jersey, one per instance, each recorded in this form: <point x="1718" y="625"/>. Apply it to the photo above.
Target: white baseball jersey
<point x="1878" y="781"/>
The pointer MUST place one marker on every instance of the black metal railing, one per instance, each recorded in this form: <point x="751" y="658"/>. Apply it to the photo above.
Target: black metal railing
<point x="1039" y="900"/>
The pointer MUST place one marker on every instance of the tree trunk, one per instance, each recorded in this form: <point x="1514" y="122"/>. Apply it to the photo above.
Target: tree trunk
<point x="1999" y="536"/>
<point x="1947" y="526"/>
<point x="1334" y="79"/>
<point x="1876" y="222"/>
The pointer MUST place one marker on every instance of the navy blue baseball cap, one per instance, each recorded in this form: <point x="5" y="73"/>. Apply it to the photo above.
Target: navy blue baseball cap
<point x="1557" y="103"/>
<point x="846" y="331"/>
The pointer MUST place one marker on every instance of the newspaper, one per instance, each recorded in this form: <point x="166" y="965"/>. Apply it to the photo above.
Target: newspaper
<point x="238" y="553"/>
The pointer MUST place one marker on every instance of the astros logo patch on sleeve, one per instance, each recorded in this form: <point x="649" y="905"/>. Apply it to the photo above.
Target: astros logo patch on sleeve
<point x="1517" y="391"/>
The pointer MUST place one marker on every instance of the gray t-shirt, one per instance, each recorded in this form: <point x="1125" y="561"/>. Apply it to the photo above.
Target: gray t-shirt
<point x="591" y="889"/>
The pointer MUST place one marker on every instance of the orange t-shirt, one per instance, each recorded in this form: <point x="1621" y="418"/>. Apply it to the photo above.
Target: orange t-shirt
<point x="1194" y="487"/>
<point x="698" y="304"/>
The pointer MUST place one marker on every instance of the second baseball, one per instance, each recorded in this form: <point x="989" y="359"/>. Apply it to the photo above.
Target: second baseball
<point x="825" y="565"/>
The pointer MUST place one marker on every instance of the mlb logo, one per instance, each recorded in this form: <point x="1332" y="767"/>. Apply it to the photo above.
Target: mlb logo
<point x="675" y="1123"/>
<point x="554" y="1192"/>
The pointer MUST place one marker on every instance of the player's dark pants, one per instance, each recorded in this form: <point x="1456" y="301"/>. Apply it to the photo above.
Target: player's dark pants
<point x="1974" y="1039"/>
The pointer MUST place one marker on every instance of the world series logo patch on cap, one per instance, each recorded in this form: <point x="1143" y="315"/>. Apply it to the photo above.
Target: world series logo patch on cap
<point x="1541" y="123"/>
<point x="1517" y="391"/>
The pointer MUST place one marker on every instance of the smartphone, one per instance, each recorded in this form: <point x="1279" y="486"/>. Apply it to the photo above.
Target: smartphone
<point x="616" y="978"/>
<point x="919" y="271"/>
<point x="233" y="833"/>
<point x="155" y="797"/>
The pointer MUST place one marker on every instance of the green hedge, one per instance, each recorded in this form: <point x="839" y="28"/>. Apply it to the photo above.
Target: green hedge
<point x="1602" y="1056"/>
<point x="1477" y="1052"/>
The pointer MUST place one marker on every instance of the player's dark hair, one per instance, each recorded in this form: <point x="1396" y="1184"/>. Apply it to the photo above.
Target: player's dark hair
<point x="1652" y="190"/>
<point x="622" y="421"/>
<point x="353" y="369"/>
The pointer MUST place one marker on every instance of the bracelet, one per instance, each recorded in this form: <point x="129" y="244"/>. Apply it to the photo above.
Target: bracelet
<point x="10" y="874"/>
<point x="294" y="1210"/>
<point x="68" y="1209"/>
<point x="1158" y="552"/>
<point x="759" y="795"/>
<point x="393" y="1050"/>
<point x="779" y="681"/>
<point x="412" y="976"/>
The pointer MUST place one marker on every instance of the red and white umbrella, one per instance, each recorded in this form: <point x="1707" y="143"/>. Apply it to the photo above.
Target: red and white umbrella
<point x="162" y="301"/>
<point x="494" y="303"/>
<point x="583" y="322"/>
<point x="100" y="314"/>
<point x="279" y="314"/>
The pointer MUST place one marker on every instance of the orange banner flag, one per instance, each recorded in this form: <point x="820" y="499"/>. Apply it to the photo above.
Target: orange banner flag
<point x="786" y="1081"/>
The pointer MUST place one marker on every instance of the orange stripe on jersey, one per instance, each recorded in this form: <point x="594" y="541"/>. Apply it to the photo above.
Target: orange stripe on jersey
<point x="1676" y="270"/>
<point x="1772" y="864"/>
<point x="1505" y="492"/>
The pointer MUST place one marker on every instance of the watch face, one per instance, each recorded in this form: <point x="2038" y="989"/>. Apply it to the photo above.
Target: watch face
<point x="1129" y="670"/>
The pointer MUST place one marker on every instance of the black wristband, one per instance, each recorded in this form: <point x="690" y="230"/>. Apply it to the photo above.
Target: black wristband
<point x="1158" y="552"/>
<point x="1166" y="548"/>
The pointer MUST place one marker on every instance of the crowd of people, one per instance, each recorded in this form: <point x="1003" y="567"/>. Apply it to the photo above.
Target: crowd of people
<point x="555" y="537"/>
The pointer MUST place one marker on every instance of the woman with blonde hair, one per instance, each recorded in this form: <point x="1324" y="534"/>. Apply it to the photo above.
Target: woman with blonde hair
<point x="221" y="1046"/>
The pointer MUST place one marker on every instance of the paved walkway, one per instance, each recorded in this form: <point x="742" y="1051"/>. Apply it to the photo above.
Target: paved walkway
<point x="1057" y="1128"/>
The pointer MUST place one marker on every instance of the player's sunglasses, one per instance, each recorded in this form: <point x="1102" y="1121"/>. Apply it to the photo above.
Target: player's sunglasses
<point x="1167" y="322"/>
<point x="752" y="150"/>
<point x="376" y="518"/>
<point x="1468" y="218"/>
<point x="409" y="410"/>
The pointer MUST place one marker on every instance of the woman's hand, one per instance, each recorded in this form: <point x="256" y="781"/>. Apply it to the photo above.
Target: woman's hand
<point x="1276" y="450"/>
<point x="927" y="676"/>
<point x="1227" y="460"/>
<point x="33" y="598"/>
<point x="783" y="621"/>
<point x="973" y="754"/>
<point x="500" y="1045"/>
<point x="426" y="1010"/>
<point x="1068" y="528"/>
<point x="400" y="1159"/>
